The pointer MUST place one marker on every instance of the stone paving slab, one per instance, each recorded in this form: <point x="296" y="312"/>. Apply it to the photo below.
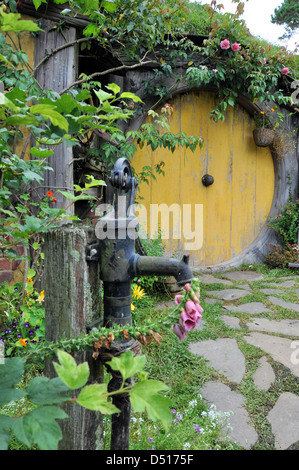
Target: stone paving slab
<point x="243" y="276"/>
<point x="233" y="322"/>
<point x="272" y="291"/>
<point x="209" y="279"/>
<point x="281" y="349"/>
<point x="253" y="308"/>
<point x="212" y="301"/>
<point x="286" y="284"/>
<point x="284" y="304"/>
<point x="223" y="355"/>
<point x="282" y="327"/>
<point x="238" y="427"/>
<point x="264" y="376"/>
<point x="284" y="420"/>
<point x="229" y="294"/>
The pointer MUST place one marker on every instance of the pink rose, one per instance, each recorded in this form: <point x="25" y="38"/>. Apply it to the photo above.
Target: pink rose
<point x="235" y="46"/>
<point x="180" y="332"/>
<point x="225" y="44"/>
<point x="285" y="71"/>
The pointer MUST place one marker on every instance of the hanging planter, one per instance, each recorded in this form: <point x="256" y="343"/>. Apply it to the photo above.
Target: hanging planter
<point x="263" y="137"/>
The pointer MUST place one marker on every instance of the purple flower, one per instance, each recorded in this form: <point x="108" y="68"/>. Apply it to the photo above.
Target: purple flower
<point x="31" y="332"/>
<point x="180" y="332"/>
<point x="197" y="428"/>
<point x="26" y="325"/>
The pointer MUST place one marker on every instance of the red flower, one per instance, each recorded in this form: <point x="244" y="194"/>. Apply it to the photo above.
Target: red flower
<point x="49" y="193"/>
<point x="54" y="199"/>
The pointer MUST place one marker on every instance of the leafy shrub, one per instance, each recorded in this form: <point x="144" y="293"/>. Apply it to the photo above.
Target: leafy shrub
<point x="280" y="256"/>
<point x="286" y="224"/>
<point x="22" y="318"/>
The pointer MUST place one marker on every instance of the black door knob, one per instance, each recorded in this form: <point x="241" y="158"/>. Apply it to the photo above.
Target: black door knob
<point x="207" y="180"/>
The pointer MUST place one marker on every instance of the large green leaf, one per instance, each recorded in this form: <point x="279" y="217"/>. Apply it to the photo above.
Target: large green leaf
<point x="5" y="424"/>
<point x="12" y="22"/>
<point x="109" y="5"/>
<point x="11" y="373"/>
<point x="145" y="396"/>
<point x="45" y="391"/>
<point x="48" y="111"/>
<point x="94" y="397"/>
<point x="73" y="375"/>
<point x="127" y="364"/>
<point x="39" y="427"/>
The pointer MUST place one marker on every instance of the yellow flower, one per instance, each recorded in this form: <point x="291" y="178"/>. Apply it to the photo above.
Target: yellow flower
<point x="41" y="297"/>
<point x="30" y="280"/>
<point x="138" y="292"/>
<point x="132" y="307"/>
<point x="23" y="342"/>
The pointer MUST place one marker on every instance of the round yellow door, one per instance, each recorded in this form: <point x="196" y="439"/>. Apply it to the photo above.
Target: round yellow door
<point x="213" y="222"/>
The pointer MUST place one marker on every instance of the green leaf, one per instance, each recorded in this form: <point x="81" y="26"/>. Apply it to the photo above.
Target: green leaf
<point x="94" y="397"/>
<point x="8" y="103"/>
<point x="110" y="6"/>
<point x="69" y="196"/>
<point x="11" y="373"/>
<point x="145" y="397"/>
<point x="102" y="95"/>
<point x="48" y="111"/>
<point x="45" y="391"/>
<point x="132" y="96"/>
<point x="113" y="87"/>
<point x="41" y="152"/>
<point x="5" y="424"/>
<point x="11" y="22"/>
<point x="73" y="375"/>
<point x="127" y="364"/>
<point x="39" y="427"/>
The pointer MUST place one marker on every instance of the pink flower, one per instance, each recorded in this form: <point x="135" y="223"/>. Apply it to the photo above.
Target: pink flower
<point x="264" y="60"/>
<point x="177" y="299"/>
<point x="187" y="322"/>
<point x="215" y="70"/>
<point x="235" y="46"/>
<point x="180" y="332"/>
<point x="187" y="287"/>
<point x="225" y="44"/>
<point x="193" y="310"/>
<point x="285" y="71"/>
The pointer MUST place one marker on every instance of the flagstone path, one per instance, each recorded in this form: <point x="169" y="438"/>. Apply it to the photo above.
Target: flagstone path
<point x="277" y="341"/>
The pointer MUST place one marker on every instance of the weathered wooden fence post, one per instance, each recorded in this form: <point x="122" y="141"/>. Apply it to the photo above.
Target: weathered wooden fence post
<point x="72" y="303"/>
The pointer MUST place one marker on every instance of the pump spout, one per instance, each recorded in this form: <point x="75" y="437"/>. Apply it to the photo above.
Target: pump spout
<point x="152" y="265"/>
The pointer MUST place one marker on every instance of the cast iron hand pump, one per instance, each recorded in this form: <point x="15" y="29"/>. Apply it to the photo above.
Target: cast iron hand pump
<point x="119" y="265"/>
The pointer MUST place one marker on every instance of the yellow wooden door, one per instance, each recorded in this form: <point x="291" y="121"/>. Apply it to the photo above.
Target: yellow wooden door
<point x="234" y="207"/>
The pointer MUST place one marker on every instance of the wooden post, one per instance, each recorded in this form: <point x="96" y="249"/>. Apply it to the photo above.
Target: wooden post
<point x="72" y="303"/>
<point x="55" y="74"/>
